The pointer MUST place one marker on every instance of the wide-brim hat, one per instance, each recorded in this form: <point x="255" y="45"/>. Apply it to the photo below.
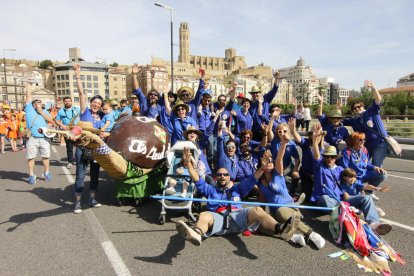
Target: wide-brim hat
<point x="192" y="129"/>
<point x="185" y="88"/>
<point x="133" y="96"/>
<point x="335" y="114"/>
<point x="255" y="89"/>
<point x="330" y="151"/>
<point x="181" y="103"/>
<point x="114" y="102"/>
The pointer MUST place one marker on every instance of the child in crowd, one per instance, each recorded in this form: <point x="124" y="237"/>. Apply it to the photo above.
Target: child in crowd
<point x="351" y="187"/>
<point x="22" y="128"/>
<point x="4" y="126"/>
<point x="13" y="130"/>
<point x="108" y="120"/>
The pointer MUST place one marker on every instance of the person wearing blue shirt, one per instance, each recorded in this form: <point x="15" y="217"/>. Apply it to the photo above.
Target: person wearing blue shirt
<point x="93" y="115"/>
<point x="243" y="118"/>
<point x="180" y="120"/>
<point x="291" y="169"/>
<point x="332" y="124"/>
<point x="185" y="94"/>
<point x="275" y="114"/>
<point x="222" y="219"/>
<point x="37" y="118"/>
<point x="125" y="108"/>
<point x="356" y="157"/>
<point x="272" y="185"/>
<point x="255" y="92"/>
<point x="108" y="120"/>
<point x="63" y="119"/>
<point x="327" y="173"/>
<point x="369" y="122"/>
<point x="227" y="157"/>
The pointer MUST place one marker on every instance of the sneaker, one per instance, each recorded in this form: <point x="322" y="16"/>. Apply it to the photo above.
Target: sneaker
<point x="374" y="197"/>
<point x="317" y="240"/>
<point x="78" y="208"/>
<point x="188" y="233"/>
<point x="69" y="165"/>
<point x="381" y="228"/>
<point x="289" y="227"/>
<point x="298" y="239"/>
<point x="380" y="211"/>
<point x="94" y="203"/>
<point x="47" y="177"/>
<point x="32" y="179"/>
<point x="300" y="199"/>
<point x="170" y="191"/>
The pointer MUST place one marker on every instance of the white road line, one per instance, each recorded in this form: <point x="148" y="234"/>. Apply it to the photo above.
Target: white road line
<point x="399" y="159"/>
<point x="402" y="177"/>
<point x="398" y="224"/>
<point x="110" y="251"/>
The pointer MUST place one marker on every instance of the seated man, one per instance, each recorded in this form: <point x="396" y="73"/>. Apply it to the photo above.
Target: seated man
<point x="224" y="219"/>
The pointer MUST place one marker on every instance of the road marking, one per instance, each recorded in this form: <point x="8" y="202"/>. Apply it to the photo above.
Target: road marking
<point x="110" y="251"/>
<point x="398" y="224"/>
<point x="399" y="159"/>
<point x="402" y="177"/>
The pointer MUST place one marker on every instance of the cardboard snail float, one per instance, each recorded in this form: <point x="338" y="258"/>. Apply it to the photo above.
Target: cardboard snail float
<point x="134" y="153"/>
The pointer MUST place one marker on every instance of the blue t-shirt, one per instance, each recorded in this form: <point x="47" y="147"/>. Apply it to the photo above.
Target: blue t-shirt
<point x="334" y="135"/>
<point x="66" y="115"/>
<point x="291" y="151"/>
<point x="330" y="176"/>
<point x="86" y="116"/>
<point x="276" y="192"/>
<point x="352" y="190"/>
<point x="108" y="117"/>
<point x="34" y="120"/>
<point x="358" y="160"/>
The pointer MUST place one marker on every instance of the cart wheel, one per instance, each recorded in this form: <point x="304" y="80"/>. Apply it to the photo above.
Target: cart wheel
<point x="190" y="220"/>
<point x="138" y="202"/>
<point x="163" y="219"/>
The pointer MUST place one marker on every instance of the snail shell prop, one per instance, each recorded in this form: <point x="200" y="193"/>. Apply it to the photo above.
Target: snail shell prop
<point x="141" y="140"/>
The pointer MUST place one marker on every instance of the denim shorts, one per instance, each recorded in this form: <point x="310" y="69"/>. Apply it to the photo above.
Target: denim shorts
<point x="34" y="145"/>
<point x="238" y="223"/>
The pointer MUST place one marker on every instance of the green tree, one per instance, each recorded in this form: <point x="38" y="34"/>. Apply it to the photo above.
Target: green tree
<point x="115" y="64"/>
<point x="44" y="64"/>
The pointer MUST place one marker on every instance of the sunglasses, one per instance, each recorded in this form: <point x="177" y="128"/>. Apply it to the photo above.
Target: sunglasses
<point x="358" y="106"/>
<point x="185" y="95"/>
<point x="181" y="108"/>
<point x="152" y="94"/>
<point x="329" y="156"/>
<point x="222" y="174"/>
<point x="36" y="102"/>
<point x="282" y="131"/>
<point x="231" y="147"/>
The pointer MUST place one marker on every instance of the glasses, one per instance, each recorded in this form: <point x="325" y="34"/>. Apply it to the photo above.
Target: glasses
<point x="36" y="102"/>
<point x="329" y="156"/>
<point x="231" y="147"/>
<point x="222" y="174"/>
<point x="152" y="94"/>
<point x="282" y="131"/>
<point x="358" y="106"/>
<point x="185" y="95"/>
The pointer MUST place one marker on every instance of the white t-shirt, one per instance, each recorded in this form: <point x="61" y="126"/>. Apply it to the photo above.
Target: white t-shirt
<point x="306" y="114"/>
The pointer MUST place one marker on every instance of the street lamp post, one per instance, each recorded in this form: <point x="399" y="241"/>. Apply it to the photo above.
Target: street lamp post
<point x="172" y="52"/>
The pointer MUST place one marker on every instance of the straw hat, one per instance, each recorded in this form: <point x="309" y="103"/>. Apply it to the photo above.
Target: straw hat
<point x="255" y="89"/>
<point x="335" y="114"/>
<point x="330" y="151"/>
<point x="114" y="102"/>
<point x="181" y="103"/>
<point x="185" y="88"/>
<point x="192" y="129"/>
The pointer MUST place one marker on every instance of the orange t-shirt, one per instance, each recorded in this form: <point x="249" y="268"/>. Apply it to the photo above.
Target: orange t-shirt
<point x="13" y="129"/>
<point x="4" y="125"/>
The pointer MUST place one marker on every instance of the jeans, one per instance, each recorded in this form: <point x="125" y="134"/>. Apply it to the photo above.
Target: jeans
<point x="378" y="154"/>
<point x="374" y="178"/>
<point x="81" y="166"/>
<point x="306" y="182"/>
<point x="69" y="149"/>
<point x="365" y="203"/>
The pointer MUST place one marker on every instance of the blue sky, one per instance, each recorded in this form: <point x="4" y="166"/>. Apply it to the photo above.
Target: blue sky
<point x="348" y="40"/>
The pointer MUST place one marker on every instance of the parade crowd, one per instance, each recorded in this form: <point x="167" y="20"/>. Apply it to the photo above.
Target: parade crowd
<point x="248" y="147"/>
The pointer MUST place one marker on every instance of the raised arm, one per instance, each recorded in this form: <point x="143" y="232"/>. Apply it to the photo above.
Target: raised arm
<point x="320" y="105"/>
<point x="29" y="92"/>
<point x="316" y="134"/>
<point x="82" y="98"/>
<point x="268" y="97"/>
<point x="167" y="104"/>
<point x="134" y="76"/>
<point x="270" y="134"/>
<point x="295" y="106"/>
<point x="377" y="96"/>
<point x="279" y="158"/>
<point x="188" y="163"/>
<point x="292" y="127"/>
<point x="263" y="143"/>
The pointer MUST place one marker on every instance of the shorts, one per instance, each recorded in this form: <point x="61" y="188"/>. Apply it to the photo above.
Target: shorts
<point x="34" y="145"/>
<point x="238" y="223"/>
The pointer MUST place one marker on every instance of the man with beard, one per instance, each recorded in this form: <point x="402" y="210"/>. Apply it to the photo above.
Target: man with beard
<point x="63" y="119"/>
<point x="222" y="219"/>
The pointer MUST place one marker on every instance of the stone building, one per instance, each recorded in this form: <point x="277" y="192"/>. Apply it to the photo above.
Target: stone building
<point x="406" y="81"/>
<point x="161" y="82"/>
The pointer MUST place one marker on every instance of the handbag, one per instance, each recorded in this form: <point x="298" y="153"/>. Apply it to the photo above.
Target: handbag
<point x="87" y="154"/>
<point x="27" y="132"/>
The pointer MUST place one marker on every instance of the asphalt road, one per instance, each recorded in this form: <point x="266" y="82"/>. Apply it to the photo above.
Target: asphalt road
<point x="39" y="234"/>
